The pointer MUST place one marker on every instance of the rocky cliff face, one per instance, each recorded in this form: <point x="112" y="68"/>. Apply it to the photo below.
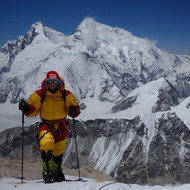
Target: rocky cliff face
<point x="11" y="143"/>
<point x="124" y="149"/>
<point x="167" y="159"/>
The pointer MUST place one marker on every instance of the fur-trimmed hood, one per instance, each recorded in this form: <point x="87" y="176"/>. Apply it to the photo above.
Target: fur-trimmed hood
<point x="61" y="86"/>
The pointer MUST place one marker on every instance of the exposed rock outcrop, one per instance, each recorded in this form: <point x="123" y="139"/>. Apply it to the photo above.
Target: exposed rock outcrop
<point x="121" y="148"/>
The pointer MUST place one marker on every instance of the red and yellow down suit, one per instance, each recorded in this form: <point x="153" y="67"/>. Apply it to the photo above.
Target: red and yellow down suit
<point x="53" y="131"/>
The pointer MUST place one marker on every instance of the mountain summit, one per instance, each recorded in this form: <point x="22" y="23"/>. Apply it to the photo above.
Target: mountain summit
<point x="97" y="60"/>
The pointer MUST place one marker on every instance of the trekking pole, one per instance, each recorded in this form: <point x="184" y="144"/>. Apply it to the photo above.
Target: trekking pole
<point x="22" y="163"/>
<point x="76" y="148"/>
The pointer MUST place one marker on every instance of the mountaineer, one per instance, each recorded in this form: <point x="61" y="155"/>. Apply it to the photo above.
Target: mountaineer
<point x="53" y="103"/>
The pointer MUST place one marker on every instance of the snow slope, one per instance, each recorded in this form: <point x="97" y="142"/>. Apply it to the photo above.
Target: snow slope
<point x="12" y="184"/>
<point x="147" y="95"/>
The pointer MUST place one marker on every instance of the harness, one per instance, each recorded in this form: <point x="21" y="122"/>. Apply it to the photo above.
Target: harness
<point x="50" y="125"/>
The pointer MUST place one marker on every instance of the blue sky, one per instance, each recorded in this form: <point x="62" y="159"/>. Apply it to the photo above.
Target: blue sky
<point x="166" y="21"/>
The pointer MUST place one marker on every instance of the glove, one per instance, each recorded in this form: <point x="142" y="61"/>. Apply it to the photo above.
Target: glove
<point x="23" y="106"/>
<point x="73" y="111"/>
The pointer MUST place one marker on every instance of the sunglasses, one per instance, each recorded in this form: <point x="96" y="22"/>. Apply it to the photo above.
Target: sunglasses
<point x="55" y="81"/>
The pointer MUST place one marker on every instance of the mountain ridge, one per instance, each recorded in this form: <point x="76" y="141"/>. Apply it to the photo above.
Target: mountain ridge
<point x="123" y="60"/>
<point x="107" y="66"/>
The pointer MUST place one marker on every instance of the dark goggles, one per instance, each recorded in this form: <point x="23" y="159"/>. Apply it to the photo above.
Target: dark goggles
<point x="55" y="81"/>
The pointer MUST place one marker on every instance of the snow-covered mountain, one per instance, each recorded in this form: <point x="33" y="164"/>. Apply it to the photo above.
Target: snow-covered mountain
<point x="96" y="61"/>
<point x="130" y="92"/>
